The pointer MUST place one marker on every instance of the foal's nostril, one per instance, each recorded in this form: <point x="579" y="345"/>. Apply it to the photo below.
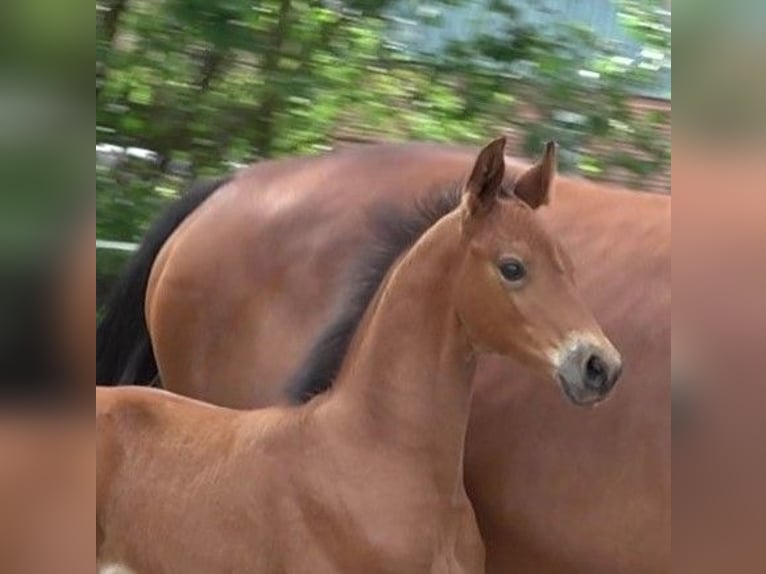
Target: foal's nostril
<point x="588" y="372"/>
<point x="596" y="373"/>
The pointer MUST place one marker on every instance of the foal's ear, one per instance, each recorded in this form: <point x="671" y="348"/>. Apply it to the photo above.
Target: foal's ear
<point x="534" y="185"/>
<point x="486" y="179"/>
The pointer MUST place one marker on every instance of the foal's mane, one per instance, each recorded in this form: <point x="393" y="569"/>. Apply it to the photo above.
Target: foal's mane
<point x="394" y="232"/>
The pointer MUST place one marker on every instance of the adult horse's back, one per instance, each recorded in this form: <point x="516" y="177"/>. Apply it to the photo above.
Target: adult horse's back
<point x="243" y="286"/>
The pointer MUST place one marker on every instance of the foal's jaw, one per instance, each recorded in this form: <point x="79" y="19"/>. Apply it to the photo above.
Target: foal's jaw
<point x="586" y="366"/>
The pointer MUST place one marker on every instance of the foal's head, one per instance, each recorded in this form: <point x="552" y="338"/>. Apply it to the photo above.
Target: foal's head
<point x="515" y="293"/>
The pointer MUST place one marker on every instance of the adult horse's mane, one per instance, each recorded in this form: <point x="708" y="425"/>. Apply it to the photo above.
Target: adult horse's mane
<point x="394" y="232"/>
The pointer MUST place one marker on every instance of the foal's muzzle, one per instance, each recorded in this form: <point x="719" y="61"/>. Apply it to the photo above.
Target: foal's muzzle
<point x="588" y="372"/>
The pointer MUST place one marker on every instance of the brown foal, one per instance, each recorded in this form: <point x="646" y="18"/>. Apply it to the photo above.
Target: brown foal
<point x="367" y="477"/>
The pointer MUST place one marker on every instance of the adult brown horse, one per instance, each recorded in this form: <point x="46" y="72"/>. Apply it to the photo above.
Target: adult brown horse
<point x="368" y="477"/>
<point x="240" y="291"/>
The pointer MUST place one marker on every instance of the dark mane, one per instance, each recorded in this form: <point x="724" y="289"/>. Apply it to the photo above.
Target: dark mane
<point x="394" y="233"/>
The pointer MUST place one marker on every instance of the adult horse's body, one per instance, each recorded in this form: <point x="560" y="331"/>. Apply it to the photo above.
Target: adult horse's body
<point x="240" y="291"/>
<point x="367" y="477"/>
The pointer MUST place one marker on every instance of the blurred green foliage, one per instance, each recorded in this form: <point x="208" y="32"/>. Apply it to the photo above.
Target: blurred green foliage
<point x="201" y="86"/>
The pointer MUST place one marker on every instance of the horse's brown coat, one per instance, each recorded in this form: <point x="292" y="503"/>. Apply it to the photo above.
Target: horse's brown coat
<point x="369" y="476"/>
<point x="243" y="287"/>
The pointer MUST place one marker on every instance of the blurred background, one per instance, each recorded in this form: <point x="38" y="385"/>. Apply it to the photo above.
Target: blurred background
<point x="192" y="88"/>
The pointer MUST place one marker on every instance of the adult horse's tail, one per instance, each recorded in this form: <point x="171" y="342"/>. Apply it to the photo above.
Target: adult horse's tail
<point x="124" y="352"/>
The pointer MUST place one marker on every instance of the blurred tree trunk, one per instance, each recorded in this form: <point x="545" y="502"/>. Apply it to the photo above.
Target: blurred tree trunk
<point x="110" y="25"/>
<point x="263" y="132"/>
<point x="211" y="66"/>
<point x="112" y="19"/>
<point x="308" y="49"/>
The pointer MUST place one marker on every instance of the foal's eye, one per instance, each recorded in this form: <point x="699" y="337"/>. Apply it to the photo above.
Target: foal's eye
<point x="512" y="270"/>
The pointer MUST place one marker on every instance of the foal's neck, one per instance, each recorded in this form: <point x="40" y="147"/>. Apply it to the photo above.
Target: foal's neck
<point x="409" y="369"/>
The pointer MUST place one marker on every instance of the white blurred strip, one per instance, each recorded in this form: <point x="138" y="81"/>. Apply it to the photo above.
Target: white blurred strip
<point x="116" y="245"/>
